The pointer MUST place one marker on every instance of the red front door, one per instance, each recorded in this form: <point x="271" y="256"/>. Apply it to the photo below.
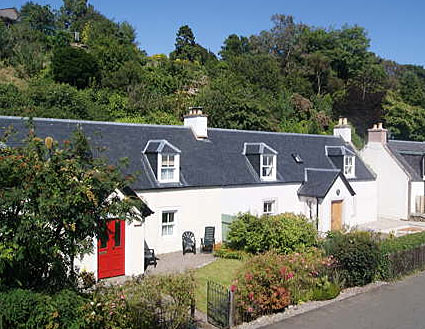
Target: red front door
<point x="111" y="253"/>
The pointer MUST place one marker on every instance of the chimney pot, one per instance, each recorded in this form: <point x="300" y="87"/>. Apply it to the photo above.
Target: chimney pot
<point x="340" y="122"/>
<point x="344" y="121"/>
<point x="343" y="130"/>
<point x="377" y="134"/>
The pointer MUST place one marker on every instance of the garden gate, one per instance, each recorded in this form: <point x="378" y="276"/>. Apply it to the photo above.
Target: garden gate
<point x="219" y="305"/>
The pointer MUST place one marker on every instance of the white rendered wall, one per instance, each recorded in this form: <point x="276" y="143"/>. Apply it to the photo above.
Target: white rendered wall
<point x="391" y="179"/>
<point x="417" y="189"/>
<point x="195" y="209"/>
<point x="365" y="203"/>
<point x="134" y="248"/>
<point x="88" y="262"/>
<point x="199" y="207"/>
<point x="251" y="199"/>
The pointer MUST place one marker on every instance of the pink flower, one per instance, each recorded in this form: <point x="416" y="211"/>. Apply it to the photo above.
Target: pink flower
<point x="248" y="277"/>
<point x="250" y="309"/>
<point x="283" y="270"/>
<point x="233" y="288"/>
<point x="251" y="295"/>
<point x="290" y="275"/>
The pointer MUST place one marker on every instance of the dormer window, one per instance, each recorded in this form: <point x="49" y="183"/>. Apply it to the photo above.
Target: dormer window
<point x="349" y="162"/>
<point x="164" y="160"/>
<point x="268" y="167"/>
<point x="263" y="160"/>
<point x="168" y="167"/>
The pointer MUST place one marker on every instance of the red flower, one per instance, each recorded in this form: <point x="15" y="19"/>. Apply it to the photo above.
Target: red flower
<point x="233" y="288"/>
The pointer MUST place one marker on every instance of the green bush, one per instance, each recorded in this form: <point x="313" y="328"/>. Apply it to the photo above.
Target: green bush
<point x="27" y="309"/>
<point x="270" y="282"/>
<point x="283" y="233"/>
<point x="326" y="290"/>
<point x="357" y="255"/>
<point x="393" y="261"/>
<point x="405" y="242"/>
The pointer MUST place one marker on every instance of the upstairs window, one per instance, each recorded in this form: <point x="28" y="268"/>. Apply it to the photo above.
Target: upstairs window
<point x="168" y="167"/>
<point x="349" y="168"/>
<point x="268" y="167"/>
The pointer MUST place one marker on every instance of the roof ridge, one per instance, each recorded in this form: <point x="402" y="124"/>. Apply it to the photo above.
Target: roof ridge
<point x="272" y="132"/>
<point x="93" y="122"/>
<point x="402" y="141"/>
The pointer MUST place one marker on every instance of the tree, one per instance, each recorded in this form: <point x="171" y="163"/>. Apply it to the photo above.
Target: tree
<point x="234" y="46"/>
<point x="188" y="49"/>
<point x="74" y="66"/>
<point x="53" y="202"/>
<point x="38" y="17"/>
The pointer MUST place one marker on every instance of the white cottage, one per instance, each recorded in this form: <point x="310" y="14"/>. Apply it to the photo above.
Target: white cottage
<point x="399" y="166"/>
<point x="192" y="176"/>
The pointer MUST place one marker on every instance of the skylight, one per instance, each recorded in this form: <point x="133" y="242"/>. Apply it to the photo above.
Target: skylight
<point x="297" y="158"/>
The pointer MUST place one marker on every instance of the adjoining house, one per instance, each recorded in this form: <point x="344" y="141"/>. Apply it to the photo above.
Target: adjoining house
<point x="400" y="170"/>
<point x="9" y="15"/>
<point x="192" y="176"/>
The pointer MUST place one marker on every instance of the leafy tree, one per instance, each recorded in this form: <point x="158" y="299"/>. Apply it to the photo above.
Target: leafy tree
<point x="234" y="46"/>
<point x="74" y="66"/>
<point x="54" y="202"/>
<point x="38" y="17"/>
<point x="412" y="87"/>
<point x="404" y="121"/>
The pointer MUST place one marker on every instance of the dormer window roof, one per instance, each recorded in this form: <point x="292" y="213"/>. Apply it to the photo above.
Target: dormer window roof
<point x="263" y="159"/>
<point x="164" y="159"/>
<point x="343" y="158"/>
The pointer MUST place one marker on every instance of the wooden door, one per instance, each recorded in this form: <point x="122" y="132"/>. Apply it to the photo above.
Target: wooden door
<point x="336" y="215"/>
<point x="111" y="253"/>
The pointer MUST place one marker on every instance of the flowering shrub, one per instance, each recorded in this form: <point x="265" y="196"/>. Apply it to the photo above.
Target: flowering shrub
<point x="270" y="282"/>
<point x="151" y="302"/>
<point x="283" y="233"/>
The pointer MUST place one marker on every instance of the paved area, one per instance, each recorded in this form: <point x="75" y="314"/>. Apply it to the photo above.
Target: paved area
<point x="175" y="262"/>
<point x="397" y="227"/>
<point x="396" y="306"/>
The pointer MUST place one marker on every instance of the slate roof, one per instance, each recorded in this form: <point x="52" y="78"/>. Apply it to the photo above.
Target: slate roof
<point x="318" y="182"/>
<point x="216" y="161"/>
<point x="409" y="154"/>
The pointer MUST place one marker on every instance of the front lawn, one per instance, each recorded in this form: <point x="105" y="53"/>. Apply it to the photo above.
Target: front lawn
<point x="221" y="271"/>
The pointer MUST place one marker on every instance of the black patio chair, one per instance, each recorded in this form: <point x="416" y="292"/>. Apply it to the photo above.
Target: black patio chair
<point x="207" y="243"/>
<point x="150" y="258"/>
<point x="188" y="242"/>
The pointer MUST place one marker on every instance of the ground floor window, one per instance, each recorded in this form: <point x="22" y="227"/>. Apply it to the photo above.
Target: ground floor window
<point x="269" y="207"/>
<point x="168" y="222"/>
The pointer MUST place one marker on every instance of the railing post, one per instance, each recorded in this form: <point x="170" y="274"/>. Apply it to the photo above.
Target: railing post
<point x="231" y="308"/>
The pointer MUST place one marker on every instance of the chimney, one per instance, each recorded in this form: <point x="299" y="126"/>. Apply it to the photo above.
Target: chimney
<point x="377" y="134"/>
<point x="197" y="121"/>
<point x="342" y="129"/>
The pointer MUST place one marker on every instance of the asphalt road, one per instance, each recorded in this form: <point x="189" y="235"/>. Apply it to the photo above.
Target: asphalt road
<point x="396" y="306"/>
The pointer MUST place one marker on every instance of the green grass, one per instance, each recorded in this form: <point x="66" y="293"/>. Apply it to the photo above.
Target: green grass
<point x="221" y="271"/>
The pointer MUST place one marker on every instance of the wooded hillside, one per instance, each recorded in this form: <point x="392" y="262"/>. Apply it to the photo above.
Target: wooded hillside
<point x="76" y="63"/>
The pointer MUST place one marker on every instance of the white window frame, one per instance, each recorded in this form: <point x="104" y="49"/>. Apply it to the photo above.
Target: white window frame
<point x="272" y="174"/>
<point x="272" y="210"/>
<point x="175" y="169"/>
<point x="168" y="224"/>
<point x="349" y="168"/>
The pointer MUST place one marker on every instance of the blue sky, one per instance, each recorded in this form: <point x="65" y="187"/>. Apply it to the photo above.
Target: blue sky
<point x="396" y="28"/>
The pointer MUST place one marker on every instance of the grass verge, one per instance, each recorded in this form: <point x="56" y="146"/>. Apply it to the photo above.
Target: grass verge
<point x="221" y="271"/>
